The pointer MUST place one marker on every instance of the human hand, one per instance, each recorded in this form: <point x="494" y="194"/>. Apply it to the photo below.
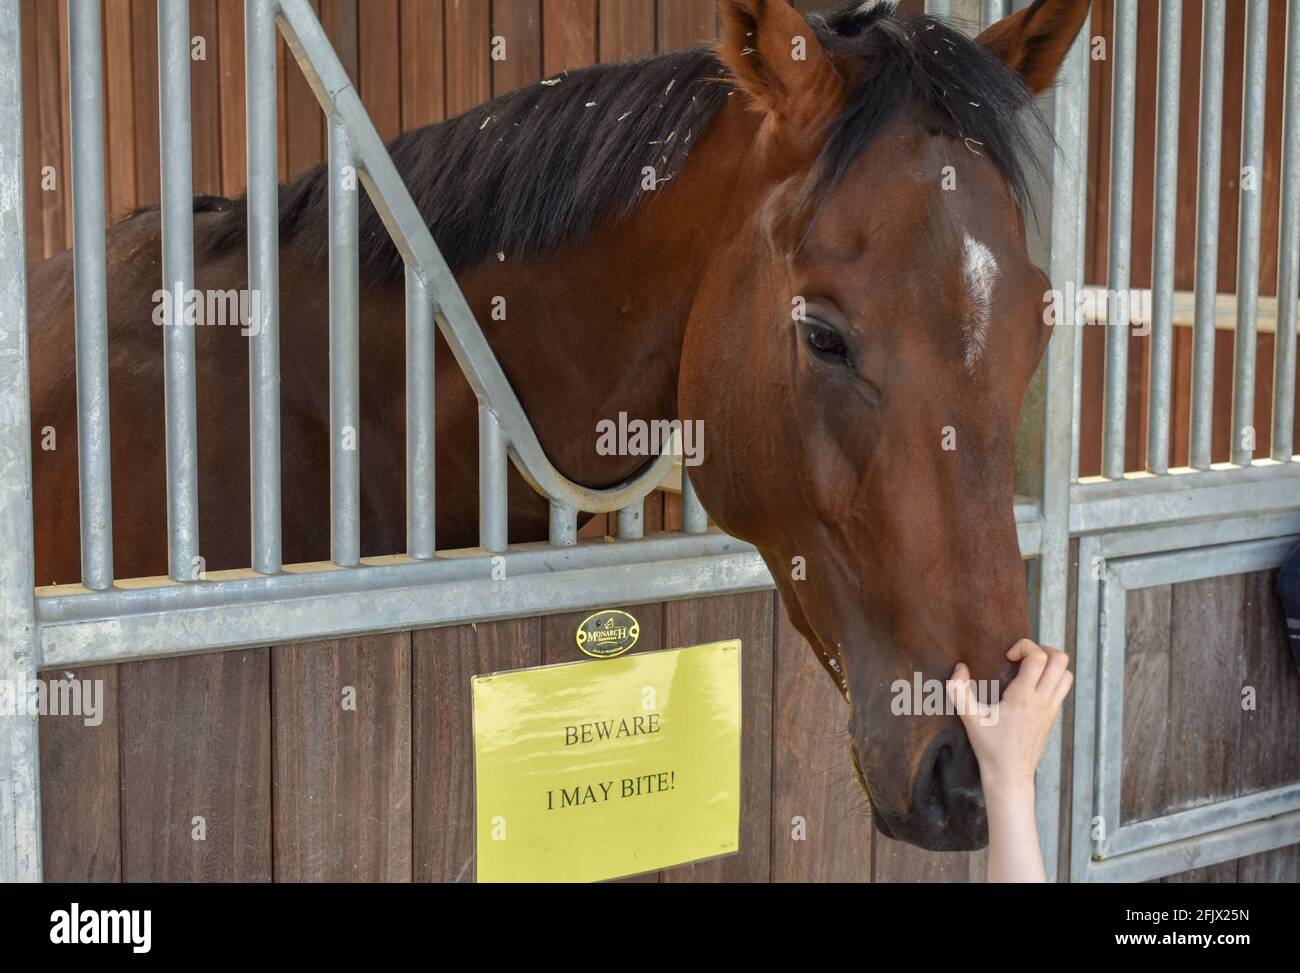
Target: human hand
<point x="1009" y="736"/>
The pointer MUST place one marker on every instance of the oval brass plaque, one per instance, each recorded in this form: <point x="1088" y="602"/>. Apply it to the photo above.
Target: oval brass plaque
<point x="607" y="634"/>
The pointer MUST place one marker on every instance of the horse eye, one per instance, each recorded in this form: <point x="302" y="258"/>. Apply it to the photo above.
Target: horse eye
<point x="826" y="341"/>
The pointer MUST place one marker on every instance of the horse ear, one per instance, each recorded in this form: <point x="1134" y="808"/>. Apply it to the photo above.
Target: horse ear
<point x="778" y="61"/>
<point x="1034" y="41"/>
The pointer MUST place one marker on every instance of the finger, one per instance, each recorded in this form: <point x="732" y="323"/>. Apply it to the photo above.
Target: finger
<point x="1023" y="649"/>
<point x="1062" y="689"/>
<point x="964" y="699"/>
<point x="1058" y="663"/>
<point x="1032" y="663"/>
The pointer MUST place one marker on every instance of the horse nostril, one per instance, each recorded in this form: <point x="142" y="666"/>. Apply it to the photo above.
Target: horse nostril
<point x="948" y="796"/>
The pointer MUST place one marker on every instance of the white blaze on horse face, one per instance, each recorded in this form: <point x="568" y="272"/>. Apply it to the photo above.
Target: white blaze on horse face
<point x="980" y="274"/>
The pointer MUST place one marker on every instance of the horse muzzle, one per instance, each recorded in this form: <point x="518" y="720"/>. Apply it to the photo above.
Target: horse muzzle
<point x="946" y="809"/>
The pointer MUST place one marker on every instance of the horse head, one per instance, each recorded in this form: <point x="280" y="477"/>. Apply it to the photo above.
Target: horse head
<point x="858" y="354"/>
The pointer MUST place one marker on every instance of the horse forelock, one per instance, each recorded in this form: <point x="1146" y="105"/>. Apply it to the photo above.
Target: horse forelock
<point x="952" y="84"/>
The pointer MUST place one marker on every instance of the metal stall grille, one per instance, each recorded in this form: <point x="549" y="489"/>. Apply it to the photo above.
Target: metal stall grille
<point x="1160" y="524"/>
<point x="1245" y="508"/>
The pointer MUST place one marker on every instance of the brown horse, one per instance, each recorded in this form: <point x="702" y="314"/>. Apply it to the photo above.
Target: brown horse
<point x="829" y="269"/>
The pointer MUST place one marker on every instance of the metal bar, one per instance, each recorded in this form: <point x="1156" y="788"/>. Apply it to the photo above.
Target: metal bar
<point x="94" y="466"/>
<point x="1183" y="497"/>
<point x="1165" y="243"/>
<point x="493" y="499"/>
<point x="263" y="283"/>
<point x="239" y="586"/>
<point x="1069" y="186"/>
<point x="564" y="525"/>
<point x="1119" y="267"/>
<point x="1083" y="764"/>
<point x="631" y="521"/>
<point x="1081" y="244"/>
<point x="1198" y="852"/>
<point x="1248" y="232"/>
<point x="20" y="779"/>
<point x="384" y="596"/>
<point x="1288" y="275"/>
<point x="236" y="609"/>
<point x="1215" y="533"/>
<point x="345" y="368"/>
<point x="1207" y="231"/>
<point x="695" y="519"/>
<point x="1110" y="707"/>
<point x="421" y="537"/>
<point x="994" y="10"/>
<point x="1175" y="567"/>
<point x="183" y="563"/>
<point x="1207" y="818"/>
<point x="938" y="8"/>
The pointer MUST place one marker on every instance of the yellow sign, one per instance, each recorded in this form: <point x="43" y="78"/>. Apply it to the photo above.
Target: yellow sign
<point x="595" y="770"/>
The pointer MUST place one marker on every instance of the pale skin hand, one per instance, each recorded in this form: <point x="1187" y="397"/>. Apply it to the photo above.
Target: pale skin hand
<point x="1008" y="739"/>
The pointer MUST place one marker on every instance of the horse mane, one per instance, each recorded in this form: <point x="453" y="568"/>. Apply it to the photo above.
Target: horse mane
<point x="549" y="163"/>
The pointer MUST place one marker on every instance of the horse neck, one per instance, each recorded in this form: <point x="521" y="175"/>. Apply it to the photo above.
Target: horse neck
<point x="606" y="317"/>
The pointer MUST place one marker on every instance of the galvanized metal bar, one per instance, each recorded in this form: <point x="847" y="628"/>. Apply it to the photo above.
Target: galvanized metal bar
<point x="263" y="283"/>
<point x="1197" y="821"/>
<point x="938" y="8"/>
<point x="1178" y="536"/>
<point x="1076" y="400"/>
<point x="1083" y="764"/>
<point x="1065" y="262"/>
<point x="179" y="372"/>
<point x="564" y="525"/>
<point x="1201" y="851"/>
<point x="1248" y="233"/>
<point x="345" y="368"/>
<point x="994" y="10"/>
<point x="239" y="609"/>
<point x="235" y="609"/>
<point x="695" y="519"/>
<point x="493" y="497"/>
<point x="20" y="778"/>
<point x="1288" y="273"/>
<point x="1183" y="497"/>
<point x="1207" y="231"/>
<point x="90" y="290"/>
<point x="1165" y="244"/>
<point x="421" y="538"/>
<point x="1176" y="567"/>
<point x="1110" y="708"/>
<point x="1119" y="265"/>
<point x="333" y="89"/>
<point x="631" y="521"/>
